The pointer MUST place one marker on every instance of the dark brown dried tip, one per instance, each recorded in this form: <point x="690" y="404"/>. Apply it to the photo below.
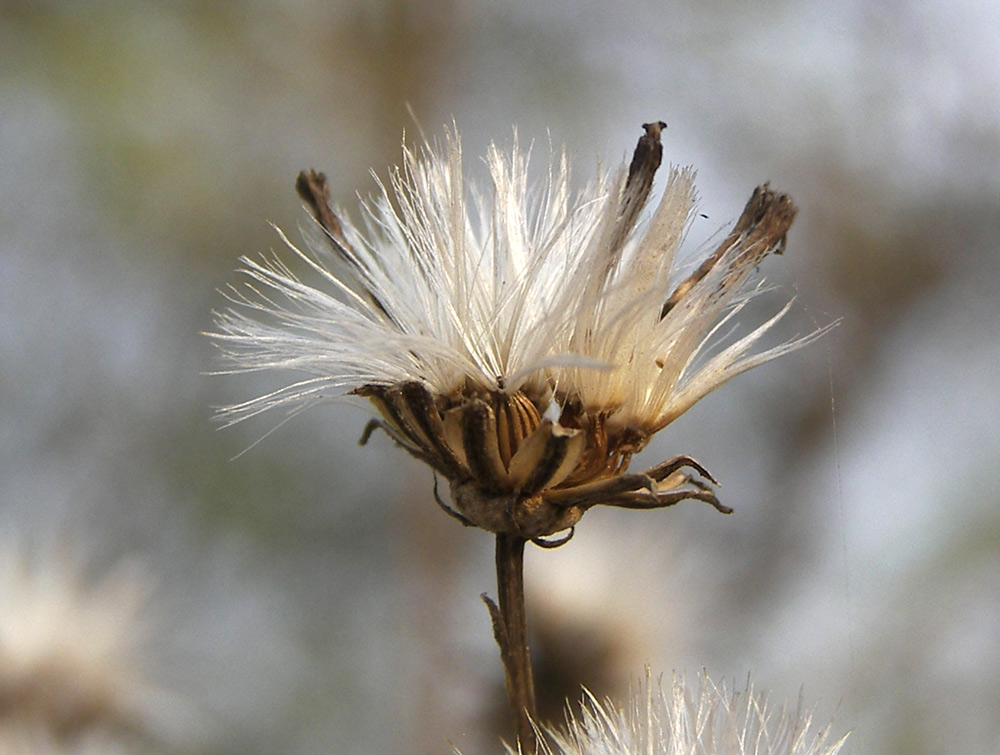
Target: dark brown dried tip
<point x="765" y="221"/>
<point x="314" y="190"/>
<point x="645" y="162"/>
<point x="761" y="229"/>
<point x="648" y="152"/>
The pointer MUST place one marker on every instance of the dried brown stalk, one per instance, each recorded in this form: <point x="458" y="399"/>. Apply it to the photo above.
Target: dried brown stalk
<point x="510" y="630"/>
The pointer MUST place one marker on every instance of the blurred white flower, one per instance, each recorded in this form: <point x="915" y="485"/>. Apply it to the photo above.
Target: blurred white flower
<point x="689" y="719"/>
<point x="34" y="738"/>
<point x="524" y="342"/>
<point x="139" y="653"/>
<point x="76" y="656"/>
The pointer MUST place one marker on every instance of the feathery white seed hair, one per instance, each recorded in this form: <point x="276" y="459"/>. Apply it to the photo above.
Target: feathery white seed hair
<point x="498" y="287"/>
<point x="703" y="718"/>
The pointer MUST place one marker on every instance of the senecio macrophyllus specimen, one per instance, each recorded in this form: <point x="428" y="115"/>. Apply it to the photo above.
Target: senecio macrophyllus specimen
<point x="524" y="341"/>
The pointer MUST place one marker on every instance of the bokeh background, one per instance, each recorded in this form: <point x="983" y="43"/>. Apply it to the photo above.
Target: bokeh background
<point x="307" y="596"/>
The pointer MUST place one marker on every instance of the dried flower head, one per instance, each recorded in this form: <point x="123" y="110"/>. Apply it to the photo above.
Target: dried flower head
<point x="704" y="718"/>
<point x="75" y="655"/>
<point x="524" y="341"/>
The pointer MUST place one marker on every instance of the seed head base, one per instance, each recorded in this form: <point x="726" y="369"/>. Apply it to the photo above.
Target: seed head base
<point x="514" y="472"/>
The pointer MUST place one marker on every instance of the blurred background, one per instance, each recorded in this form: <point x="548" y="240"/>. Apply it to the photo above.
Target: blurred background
<point x="307" y="596"/>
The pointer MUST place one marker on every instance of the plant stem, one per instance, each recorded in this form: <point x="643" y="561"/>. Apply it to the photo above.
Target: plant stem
<point x="510" y="629"/>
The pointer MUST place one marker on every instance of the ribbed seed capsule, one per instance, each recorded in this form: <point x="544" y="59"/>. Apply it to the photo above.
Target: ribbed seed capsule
<point x="517" y="418"/>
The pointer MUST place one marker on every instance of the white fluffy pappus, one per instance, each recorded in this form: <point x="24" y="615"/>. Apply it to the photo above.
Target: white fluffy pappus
<point x="688" y="718"/>
<point x="446" y="282"/>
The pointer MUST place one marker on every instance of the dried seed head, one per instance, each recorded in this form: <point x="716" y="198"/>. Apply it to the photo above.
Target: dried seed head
<point x="523" y="348"/>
